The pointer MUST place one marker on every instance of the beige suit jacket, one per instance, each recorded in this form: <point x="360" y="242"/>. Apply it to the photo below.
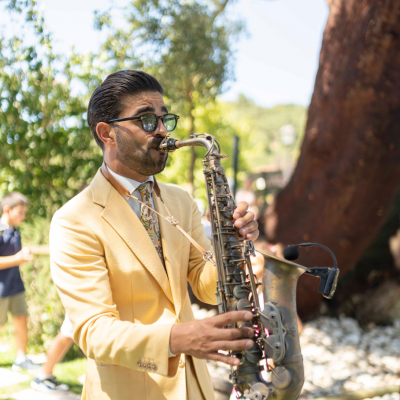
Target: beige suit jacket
<point x="121" y="302"/>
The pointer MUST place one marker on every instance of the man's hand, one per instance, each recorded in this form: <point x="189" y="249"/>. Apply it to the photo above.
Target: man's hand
<point x="245" y="222"/>
<point x="203" y="339"/>
<point x="24" y="255"/>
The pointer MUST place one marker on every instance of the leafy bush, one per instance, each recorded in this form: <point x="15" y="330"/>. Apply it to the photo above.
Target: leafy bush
<point x="46" y="312"/>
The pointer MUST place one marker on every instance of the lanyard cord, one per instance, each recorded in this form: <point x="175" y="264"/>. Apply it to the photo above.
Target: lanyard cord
<point x="120" y="188"/>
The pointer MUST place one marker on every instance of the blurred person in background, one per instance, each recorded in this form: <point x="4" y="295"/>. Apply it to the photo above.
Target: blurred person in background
<point x="247" y="195"/>
<point x="12" y="291"/>
<point x="45" y="381"/>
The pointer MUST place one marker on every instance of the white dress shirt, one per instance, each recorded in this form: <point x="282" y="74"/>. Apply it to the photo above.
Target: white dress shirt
<point x="132" y="186"/>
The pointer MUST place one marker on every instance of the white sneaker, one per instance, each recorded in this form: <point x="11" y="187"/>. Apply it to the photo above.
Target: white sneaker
<point x="48" y="385"/>
<point x="25" y="365"/>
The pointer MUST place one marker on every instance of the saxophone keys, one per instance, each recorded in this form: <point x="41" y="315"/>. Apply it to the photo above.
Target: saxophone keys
<point x="258" y="391"/>
<point x="244" y="304"/>
<point x="281" y="377"/>
<point x="240" y="292"/>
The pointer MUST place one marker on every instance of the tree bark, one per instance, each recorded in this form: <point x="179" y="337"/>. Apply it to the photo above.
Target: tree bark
<point x="349" y="167"/>
<point x="370" y="292"/>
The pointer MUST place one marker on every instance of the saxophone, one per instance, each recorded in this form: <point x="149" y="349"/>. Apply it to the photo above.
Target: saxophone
<point x="275" y="324"/>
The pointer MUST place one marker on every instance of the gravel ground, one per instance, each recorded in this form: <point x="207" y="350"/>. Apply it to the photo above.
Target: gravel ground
<point x="393" y="396"/>
<point x="340" y="357"/>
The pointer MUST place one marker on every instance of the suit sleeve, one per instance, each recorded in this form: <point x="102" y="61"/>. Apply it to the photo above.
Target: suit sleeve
<point x="202" y="275"/>
<point x="80" y="273"/>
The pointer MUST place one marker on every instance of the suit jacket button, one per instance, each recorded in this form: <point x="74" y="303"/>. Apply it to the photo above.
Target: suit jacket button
<point x="154" y="367"/>
<point x="181" y="363"/>
<point x="139" y="364"/>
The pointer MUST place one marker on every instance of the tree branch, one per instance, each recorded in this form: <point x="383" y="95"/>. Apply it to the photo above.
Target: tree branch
<point x="25" y="160"/>
<point x="219" y="10"/>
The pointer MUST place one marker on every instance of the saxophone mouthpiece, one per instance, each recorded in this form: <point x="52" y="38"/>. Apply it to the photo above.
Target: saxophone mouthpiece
<point x="168" y="145"/>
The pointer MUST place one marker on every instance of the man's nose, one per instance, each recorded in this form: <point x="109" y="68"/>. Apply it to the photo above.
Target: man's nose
<point x="161" y="130"/>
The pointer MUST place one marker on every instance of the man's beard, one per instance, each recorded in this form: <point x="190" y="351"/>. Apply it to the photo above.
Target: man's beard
<point x="138" y="159"/>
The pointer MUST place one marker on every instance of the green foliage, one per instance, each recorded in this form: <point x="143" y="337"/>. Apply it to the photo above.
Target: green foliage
<point x="209" y="118"/>
<point x="183" y="44"/>
<point x="20" y="5"/>
<point x="43" y="126"/>
<point x="46" y="313"/>
<point x="178" y="41"/>
<point x="258" y="127"/>
<point x="47" y="151"/>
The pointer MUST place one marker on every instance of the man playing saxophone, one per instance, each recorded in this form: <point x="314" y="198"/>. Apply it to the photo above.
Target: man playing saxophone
<point x="122" y="270"/>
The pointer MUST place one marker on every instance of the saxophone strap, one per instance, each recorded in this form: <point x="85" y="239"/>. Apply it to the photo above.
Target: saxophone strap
<point x="120" y="188"/>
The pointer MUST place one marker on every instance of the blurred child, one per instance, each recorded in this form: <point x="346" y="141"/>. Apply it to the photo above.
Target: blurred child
<point x="12" y="291"/>
<point x="45" y="381"/>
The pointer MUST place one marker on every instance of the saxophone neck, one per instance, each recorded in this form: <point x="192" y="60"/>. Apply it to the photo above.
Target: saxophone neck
<point x="169" y="144"/>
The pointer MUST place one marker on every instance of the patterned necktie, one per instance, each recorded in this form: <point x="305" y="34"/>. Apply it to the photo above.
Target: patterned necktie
<point x="149" y="219"/>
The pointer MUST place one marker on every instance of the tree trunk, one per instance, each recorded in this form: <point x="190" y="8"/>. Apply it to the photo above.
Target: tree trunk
<point x="370" y="292"/>
<point x="349" y="166"/>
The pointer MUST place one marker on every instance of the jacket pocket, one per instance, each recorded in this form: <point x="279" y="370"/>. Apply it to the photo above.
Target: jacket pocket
<point x="113" y="382"/>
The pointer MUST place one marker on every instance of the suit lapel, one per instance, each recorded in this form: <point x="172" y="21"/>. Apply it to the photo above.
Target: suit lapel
<point x="172" y="242"/>
<point x="125" y="222"/>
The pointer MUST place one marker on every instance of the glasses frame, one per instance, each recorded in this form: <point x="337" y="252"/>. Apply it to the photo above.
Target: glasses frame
<point x="141" y="121"/>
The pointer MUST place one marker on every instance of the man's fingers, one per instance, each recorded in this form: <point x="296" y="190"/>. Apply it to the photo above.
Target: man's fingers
<point x="245" y="219"/>
<point x="233" y="334"/>
<point x="253" y="235"/>
<point x="240" y="210"/>
<point x="231" y="317"/>
<point x="248" y="228"/>
<point x="225" y="359"/>
<point x="233" y="345"/>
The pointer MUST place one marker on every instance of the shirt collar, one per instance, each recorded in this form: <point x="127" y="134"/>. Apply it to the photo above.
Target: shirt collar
<point x="129" y="183"/>
<point x="9" y="233"/>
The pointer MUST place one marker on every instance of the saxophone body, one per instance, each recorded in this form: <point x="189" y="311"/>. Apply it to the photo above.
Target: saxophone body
<point x="275" y="322"/>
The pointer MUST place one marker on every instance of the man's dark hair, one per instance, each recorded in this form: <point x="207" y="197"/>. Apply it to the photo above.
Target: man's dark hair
<point x="107" y="100"/>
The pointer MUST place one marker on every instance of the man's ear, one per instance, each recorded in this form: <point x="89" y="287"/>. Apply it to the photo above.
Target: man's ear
<point x="106" y="133"/>
<point x="6" y="209"/>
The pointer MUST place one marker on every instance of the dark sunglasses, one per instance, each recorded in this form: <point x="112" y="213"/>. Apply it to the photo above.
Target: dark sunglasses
<point x="150" y="121"/>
